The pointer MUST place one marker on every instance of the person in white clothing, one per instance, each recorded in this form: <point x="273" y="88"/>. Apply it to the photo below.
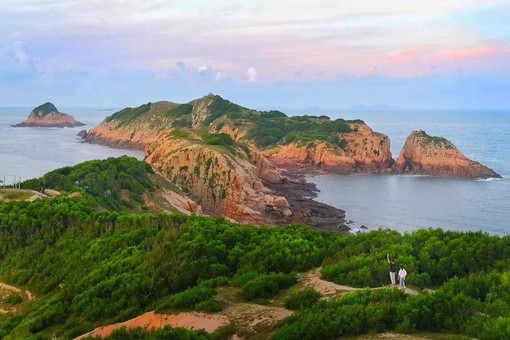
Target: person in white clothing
<point x="402" y="273"/>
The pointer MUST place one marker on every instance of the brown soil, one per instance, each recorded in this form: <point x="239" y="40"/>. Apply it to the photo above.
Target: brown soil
<point x="151" y="320"/>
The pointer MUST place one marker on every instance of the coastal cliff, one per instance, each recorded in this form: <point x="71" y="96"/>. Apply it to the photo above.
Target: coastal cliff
<point x="217" y="174"/>
<point x="435" y="156"/>
<point x="47" y="115"/>
<point x="360" y="150"/>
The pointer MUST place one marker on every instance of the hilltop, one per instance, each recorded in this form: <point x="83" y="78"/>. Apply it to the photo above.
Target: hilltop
<point x="47" y="115"/>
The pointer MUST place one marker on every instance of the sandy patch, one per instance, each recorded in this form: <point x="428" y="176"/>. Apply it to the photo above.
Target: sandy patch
<point x="328" y="289"/>
<point x="151" y="320"/>
<point x="6" y="289"/>
<point x="252" y="318"/>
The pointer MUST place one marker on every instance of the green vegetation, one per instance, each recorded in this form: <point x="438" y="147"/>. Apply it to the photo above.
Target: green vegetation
<point x="158" y="334"/>
<point x="89" y="267"/>
<point x="437" y="141"/>
<point x="106" y="183"/>
<point x="129" y="114"/>
<point x="13" y="299"/>
<point x="220" y="107"/>
<point x="45" y="109"/>
<point x="275" y="128"/>
<point x="303" y="299"/>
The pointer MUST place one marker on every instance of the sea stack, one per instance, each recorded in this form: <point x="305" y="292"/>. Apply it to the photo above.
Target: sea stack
<point x="47" y="115"/>
<point x="436" y="156"/>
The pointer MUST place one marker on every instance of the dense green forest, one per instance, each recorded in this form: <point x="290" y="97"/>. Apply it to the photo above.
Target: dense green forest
<point x="89" y="267"/>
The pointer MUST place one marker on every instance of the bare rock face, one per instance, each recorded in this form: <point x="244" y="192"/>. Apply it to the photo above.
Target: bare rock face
<point x="47" y="115"/>
<point x="363" y="151"/>
<point x="435" y="156"/>
<point x="222" y="183"/>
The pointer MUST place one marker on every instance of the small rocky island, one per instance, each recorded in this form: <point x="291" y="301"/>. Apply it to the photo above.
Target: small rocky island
<point x="436" y="156"/>
<point x="47" y="115"/>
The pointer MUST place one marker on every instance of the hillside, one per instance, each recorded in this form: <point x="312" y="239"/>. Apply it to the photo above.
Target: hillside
<point x="340" y="145"/>
<point x="89" y="264"/>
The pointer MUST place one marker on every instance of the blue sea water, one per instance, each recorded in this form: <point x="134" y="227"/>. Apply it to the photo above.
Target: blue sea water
<point x="30" y="152"/>
<point x="406" y="203"/>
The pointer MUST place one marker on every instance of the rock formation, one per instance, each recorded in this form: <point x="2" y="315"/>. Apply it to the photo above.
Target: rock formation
<point x="221" y="179"/>
<point x="435" y="156"/>
<point x="47" y="115"/>
<point x="363" y="151"/>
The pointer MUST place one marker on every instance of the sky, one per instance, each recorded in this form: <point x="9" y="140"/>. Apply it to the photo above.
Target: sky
<point x="263" y="54"/>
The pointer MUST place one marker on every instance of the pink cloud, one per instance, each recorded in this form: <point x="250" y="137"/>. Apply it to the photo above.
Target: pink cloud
<point x="480" y="52"/>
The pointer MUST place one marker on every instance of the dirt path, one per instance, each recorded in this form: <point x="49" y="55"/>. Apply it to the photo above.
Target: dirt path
<point x="330" y="290"/>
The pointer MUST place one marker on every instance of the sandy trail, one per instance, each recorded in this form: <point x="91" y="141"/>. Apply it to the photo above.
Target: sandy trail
<point x="330" y="290"/>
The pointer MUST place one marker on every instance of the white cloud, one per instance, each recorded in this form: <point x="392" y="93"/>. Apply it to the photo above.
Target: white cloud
<point x="252" y="74"/>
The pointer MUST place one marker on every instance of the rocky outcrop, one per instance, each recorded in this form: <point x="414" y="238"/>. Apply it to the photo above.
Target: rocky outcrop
<point x="435" y="156"/>
<point x="223" y="182"/>
<point x="361" y="150"/>
<point x="47" y="115"/>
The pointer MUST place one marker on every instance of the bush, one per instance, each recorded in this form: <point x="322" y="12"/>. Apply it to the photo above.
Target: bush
<point x="13" y="299"/>
<point x="304" y="299"/>
<point x="210" y="306"/>
<point x="267" y="286"/>
<point x="189" y="298"/>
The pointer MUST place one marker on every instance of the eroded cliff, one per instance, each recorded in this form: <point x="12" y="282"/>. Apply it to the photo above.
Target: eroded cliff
<point x="218" y="175"/>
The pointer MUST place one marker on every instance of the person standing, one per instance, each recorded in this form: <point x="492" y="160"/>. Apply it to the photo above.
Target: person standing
<point x="393" y="269"/>
<point x="402" y="273"/>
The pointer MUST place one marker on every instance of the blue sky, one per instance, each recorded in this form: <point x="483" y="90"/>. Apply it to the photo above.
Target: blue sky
<point x="280" y="54"/>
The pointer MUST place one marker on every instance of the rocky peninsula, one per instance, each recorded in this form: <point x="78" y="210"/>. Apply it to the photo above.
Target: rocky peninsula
<point x="47" y="115"/>
<point x="248" y="166"/>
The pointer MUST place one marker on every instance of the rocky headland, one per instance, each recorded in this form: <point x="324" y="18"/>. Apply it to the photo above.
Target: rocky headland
<point x="47" y="115"/>
<point x="436" y="156"/>
<point x="250" y="166"/>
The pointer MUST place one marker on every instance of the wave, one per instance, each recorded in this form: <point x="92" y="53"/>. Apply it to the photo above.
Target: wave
<point x="489" y="179"/>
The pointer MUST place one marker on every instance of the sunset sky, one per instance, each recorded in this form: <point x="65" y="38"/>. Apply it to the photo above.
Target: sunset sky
<point x="282" y="54"/>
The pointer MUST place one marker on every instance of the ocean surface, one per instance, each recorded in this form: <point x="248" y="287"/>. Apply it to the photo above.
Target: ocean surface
<point x="406" y="203"/>
<point x="30" y="152"/>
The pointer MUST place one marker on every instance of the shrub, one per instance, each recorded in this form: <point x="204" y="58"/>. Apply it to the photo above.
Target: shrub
<point x="304" y="299"/>
<point x="13" y="299"/>
<point x="266" y="286"/>
<point x="189" y="298"/>
<point x="210" y="306"/>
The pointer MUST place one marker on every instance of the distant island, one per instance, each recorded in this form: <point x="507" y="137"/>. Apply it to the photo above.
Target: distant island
<point x="47" y="115"/>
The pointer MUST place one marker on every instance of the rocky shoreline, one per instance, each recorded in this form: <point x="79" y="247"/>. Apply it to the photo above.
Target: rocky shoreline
<point x="301" y="197"/>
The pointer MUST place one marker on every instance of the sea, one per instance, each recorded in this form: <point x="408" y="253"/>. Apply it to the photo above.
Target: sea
<point x="403" y="203"/>
<point x="407" y="203"/>
<point x="30" y="152"/>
